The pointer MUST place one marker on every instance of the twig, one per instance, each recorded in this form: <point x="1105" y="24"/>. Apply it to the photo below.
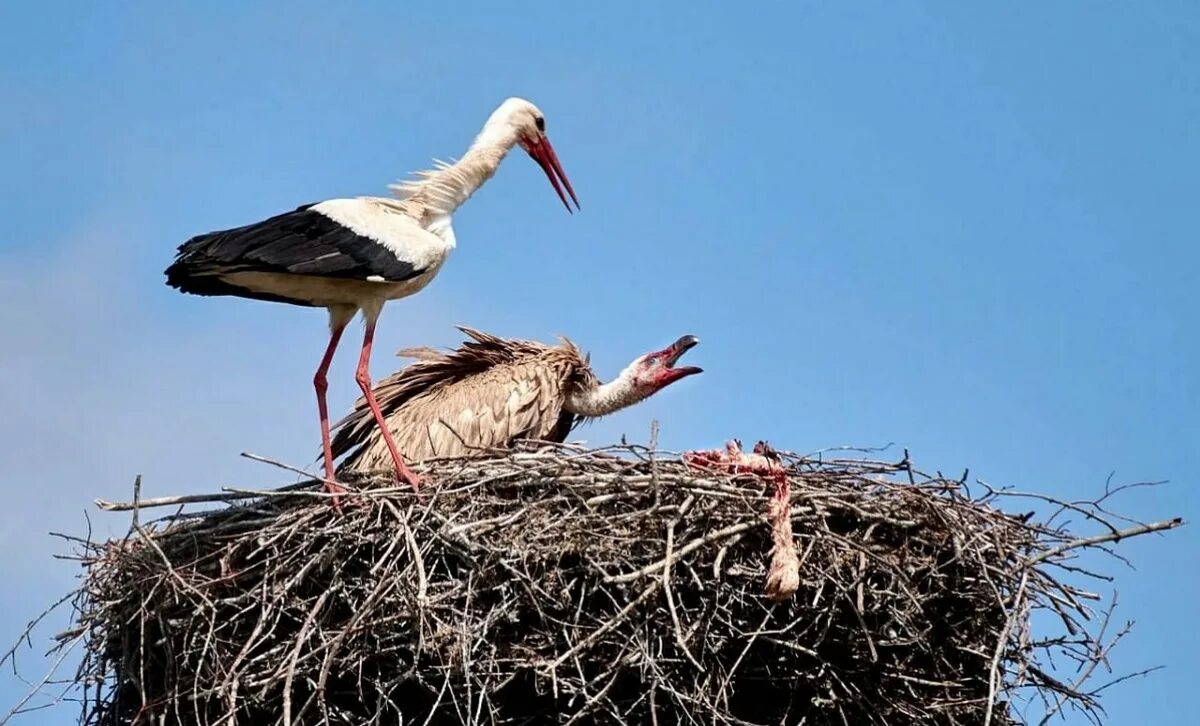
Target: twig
<point x="166" y="501"/>
<point x="994" y="677"/>
<point x="1102" y="538"/>
<point x="17" y="709"/>
<point x="603" y="629"/>
<point x="684" y="551"/>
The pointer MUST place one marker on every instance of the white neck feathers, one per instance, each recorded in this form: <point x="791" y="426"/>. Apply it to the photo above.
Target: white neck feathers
<point x="443" y="189"/>
<point x="600" y="400"/>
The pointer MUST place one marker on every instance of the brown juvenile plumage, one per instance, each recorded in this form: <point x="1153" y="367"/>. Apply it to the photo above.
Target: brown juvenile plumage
<point x="490" y="392"/>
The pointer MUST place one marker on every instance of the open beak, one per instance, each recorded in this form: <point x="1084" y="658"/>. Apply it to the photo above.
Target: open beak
<point x="672" y="354"/>
<point x="543" y="153"/>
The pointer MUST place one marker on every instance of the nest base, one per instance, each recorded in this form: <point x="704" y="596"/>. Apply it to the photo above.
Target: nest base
<point x="563" y="586"/>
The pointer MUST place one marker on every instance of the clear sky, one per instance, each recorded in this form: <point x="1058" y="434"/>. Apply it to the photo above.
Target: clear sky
<point x="970" y="231"/>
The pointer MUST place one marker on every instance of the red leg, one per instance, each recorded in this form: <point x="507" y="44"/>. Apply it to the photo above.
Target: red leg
<point x="322" y="385"/>
<point x="363" y="376"/>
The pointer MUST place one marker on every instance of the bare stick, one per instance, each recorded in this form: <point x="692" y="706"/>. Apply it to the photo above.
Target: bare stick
<point x="17" y="709"/>
<point x="1109" y="537"/>
<point x="167" y="501"/>
<point x="994" y="675"/>
<point x="603" y="629"/>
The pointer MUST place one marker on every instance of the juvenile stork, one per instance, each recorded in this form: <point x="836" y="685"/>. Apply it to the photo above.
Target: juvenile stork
<point x="492" y="391"/>
<point x="356" y="254"/>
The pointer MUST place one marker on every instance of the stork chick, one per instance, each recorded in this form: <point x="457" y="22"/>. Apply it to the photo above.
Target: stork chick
<point x="355" y="254"/>
<point x="493" y="391"/>
<point x="783" y="574"/>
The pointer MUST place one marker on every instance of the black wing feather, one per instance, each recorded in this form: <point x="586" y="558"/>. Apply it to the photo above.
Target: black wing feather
<point x="300" y="242"/>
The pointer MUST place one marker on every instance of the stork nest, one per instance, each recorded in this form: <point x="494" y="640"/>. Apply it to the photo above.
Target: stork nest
<point x="563" y="585"/>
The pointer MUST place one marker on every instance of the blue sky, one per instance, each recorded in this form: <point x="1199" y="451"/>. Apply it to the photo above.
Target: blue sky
<point x="968" y="231"/>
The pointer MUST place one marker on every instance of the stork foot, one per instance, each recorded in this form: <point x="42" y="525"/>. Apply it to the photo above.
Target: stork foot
<point x="336" y="490"/>
<point x="407" y="476"/>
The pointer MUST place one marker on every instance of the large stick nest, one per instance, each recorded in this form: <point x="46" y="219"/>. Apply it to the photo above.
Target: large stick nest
<point x="560" y="585"/>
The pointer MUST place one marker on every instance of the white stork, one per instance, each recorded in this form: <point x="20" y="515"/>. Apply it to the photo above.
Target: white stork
<point x="356" y="254"/>
<point x="492" y="391"/>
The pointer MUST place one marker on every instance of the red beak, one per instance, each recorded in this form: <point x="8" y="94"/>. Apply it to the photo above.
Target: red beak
<point x="543" y="153"/>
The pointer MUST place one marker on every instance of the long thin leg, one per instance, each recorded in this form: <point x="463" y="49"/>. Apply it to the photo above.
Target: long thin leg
<point x="363" y="376"/>
<point x="337" y="324"/>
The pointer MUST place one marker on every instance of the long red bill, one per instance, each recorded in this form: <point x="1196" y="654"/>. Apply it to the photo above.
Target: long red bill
<point x="543" y="154"/>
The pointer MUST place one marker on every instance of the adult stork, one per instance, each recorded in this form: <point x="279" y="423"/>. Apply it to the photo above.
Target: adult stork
<point x="356" y="254"/>
<point x="492" y="391"/>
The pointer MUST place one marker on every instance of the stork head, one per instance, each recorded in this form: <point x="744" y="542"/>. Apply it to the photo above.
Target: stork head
<point x="527" y="123"/>
<point x="656" y="370"/>
<point x="642" y="378"/>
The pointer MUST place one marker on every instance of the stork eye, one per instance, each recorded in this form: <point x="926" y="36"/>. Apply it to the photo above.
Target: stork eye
<point x="540" y="122"/>
<point x="652" y="360"/>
